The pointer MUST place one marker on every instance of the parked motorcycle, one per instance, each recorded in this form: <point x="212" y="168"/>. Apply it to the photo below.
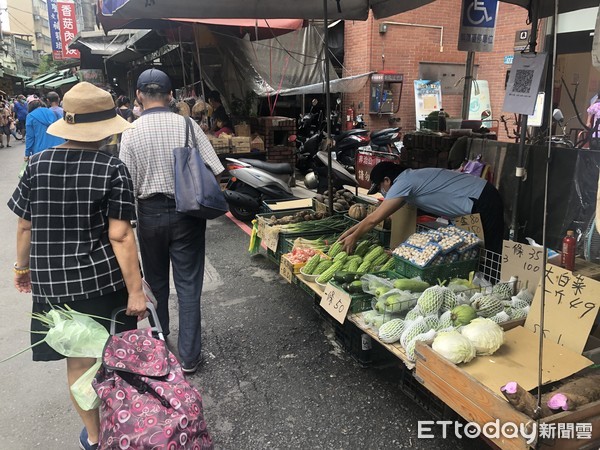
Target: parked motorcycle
<point x="317" y="179"/>
<point x="253" y="181"/>
<point x="387" y="140"/>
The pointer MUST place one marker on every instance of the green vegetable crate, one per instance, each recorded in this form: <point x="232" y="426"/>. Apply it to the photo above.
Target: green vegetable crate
<point x="382" y="235"/>
<point x="359" y="302"/>
<point x="282" y="244"/>
<point x="432" y="274"/>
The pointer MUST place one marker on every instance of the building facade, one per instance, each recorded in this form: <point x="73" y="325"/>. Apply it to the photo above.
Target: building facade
<point x="421" y="44"/>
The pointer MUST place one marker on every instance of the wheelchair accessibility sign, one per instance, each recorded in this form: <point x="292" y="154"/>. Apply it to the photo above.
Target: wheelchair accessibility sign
<point x="478" y="25"/>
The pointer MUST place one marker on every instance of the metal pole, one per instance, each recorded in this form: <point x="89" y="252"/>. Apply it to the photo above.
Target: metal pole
<point x="327" y="105"/>
<point x="520" y="170"/>
<point x="466" y="101"/>
<point x="201" y="81"/>
<point x="545" y="226"/>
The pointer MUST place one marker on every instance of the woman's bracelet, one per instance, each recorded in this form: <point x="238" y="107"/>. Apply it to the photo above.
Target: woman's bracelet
<point x="20" y="270"/>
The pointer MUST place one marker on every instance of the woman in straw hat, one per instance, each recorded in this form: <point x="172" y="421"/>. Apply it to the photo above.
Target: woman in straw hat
<point x="75" y="244"/>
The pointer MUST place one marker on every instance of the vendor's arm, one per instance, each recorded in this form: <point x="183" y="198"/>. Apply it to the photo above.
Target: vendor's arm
<point x="22" y="281"/>
<point x="122" y="240"/>
<point x="386" y="209"/>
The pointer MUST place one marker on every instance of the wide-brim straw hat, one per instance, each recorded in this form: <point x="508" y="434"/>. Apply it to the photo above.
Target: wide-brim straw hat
<point x="89" y="115"/>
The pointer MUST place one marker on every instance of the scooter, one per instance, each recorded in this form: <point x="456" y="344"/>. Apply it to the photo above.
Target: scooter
<point x="253" y="181"/>
<point x="318" y="177"/>
<point x="386" y="140"/>
<point x="347" y="144"/>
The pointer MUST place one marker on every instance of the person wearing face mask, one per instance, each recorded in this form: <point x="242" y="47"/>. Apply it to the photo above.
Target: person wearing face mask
<point x="441" y="192"/>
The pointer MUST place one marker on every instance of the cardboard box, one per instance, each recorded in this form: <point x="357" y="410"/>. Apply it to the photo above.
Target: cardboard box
<point x="242" y="129"/>
<point x="220" y="143"/>
<point x="257" y="144"/>
<point x="241" y="144"/>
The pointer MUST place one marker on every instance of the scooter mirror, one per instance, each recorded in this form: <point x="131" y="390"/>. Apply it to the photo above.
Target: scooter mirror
<point x="558" y="115"/>
<point x="315" y="102"/>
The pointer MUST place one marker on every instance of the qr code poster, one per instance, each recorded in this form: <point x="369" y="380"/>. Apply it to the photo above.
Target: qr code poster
<point x="524" y="82"/>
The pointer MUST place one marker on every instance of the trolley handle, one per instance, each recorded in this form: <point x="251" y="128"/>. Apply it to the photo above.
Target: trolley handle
<point x="153" y="317"/>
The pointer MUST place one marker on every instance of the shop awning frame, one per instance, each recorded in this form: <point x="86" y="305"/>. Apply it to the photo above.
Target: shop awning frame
<point x="58" y="83"/>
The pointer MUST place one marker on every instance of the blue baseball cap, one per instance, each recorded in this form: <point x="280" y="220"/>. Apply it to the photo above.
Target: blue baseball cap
<point x="154" y="80"/>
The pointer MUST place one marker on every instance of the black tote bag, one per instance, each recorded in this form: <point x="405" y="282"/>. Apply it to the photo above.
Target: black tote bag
<point x="197" y="192"/>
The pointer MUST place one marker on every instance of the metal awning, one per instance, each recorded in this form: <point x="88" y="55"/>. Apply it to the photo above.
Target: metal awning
<point x="109" y="44"/>
<point x="546" y="8"/>
<point x="47" y="77"/>
<point x="58" y="83"/>
<point x="260" y="9"/>
<point x="348" y="84"/>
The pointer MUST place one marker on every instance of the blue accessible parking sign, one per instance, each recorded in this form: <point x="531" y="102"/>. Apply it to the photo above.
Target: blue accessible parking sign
<point x="478" y="25"/>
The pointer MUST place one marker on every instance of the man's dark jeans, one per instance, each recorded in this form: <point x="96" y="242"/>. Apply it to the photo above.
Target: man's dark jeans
<point x="165" y="236"/>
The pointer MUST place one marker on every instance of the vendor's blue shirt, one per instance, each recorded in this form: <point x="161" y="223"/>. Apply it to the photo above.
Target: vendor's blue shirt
<point x="438" y="191"/>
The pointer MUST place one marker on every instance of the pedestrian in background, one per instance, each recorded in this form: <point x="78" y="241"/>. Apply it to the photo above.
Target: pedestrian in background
<point x="167" y="237"/>
<point x="5" y="120"/>
<point x="75" y="244"/>
<point x="54" y="104"/>
<point x="39" y="118"/>
<point x="123" y="108"/>
<point x="20" y="108"/>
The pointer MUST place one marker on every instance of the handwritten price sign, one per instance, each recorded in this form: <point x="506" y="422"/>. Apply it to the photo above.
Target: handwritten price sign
<point x="472" y="223"/>
<point x="336" y="302"/>
<point x="270" y="238"/>
<point x="570" y="309"/>
<point x="286" y="269"/>
<point x="522" y="261"/>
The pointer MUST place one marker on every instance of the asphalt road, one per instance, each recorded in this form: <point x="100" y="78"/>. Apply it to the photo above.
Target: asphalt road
<point x="275" y="377"/>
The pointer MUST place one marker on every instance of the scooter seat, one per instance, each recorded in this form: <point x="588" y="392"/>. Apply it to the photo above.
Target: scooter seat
<point x="381" y="133"/>
<point x="277" y="168"/>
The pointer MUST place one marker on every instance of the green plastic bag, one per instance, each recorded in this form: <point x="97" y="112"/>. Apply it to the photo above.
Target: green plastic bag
<point x="82" y="389"/>
<point x="76" y="335"/>
<point x="23" y="167"/>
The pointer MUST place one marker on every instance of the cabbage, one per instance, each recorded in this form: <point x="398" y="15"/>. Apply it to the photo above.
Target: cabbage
<point x="454" y="346"/>
<point x="486" y="335"/>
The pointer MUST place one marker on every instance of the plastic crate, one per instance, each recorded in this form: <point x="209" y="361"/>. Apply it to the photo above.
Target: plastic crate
<point x="358" y="302"/>
<point x="383" y="236"/>
<point x="432" y="274"/>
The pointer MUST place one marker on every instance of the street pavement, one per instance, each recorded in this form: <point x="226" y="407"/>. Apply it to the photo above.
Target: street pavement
<point x="274" y="378"/>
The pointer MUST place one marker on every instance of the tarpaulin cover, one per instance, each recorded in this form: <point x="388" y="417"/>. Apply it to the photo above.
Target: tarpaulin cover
<point x="260" y="9"/>
<point x="267" y="66"/>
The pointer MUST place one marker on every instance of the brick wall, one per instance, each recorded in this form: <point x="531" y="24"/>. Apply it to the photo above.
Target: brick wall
<point x="404" y="47"/>
<point x="275" y="132"/>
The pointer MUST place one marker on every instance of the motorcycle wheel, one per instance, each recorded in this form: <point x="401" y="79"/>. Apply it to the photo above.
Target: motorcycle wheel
<point x="242" y="214"/>
<point x="239" y="212"/>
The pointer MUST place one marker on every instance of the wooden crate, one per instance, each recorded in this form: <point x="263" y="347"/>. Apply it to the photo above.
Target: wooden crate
<point x="477" y="403"/>
<point x="240" y="144"/>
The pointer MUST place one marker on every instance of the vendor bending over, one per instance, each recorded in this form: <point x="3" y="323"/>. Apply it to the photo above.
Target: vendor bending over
<point x="437" y="191"/>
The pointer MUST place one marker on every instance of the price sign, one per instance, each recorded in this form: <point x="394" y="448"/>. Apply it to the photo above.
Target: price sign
<point x="286" y="269"/>
<point x="472" y="223"/>
<point x="260" y="232"/>
<point x="522" y="261"/>
<point x="571" y="307"/>
<point x="336" y="302"/>
<point x="270" y="238"/>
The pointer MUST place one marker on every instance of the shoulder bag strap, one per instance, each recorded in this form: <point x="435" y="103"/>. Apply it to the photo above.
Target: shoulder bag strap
<point x="188" y="125"/>
<point x="191" y="128"/>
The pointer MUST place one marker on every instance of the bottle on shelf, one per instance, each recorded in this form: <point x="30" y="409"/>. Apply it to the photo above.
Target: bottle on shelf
<point x="569" y="245"/>
<point x="442" y="120"/>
